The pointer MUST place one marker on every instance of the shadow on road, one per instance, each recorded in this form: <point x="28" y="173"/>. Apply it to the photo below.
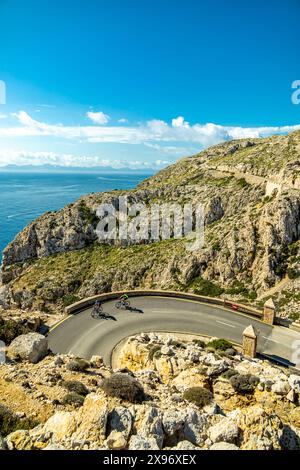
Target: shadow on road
<point x="280" y="361"/>
<point x="105" y="316"/>
<point x="134" y="309"/>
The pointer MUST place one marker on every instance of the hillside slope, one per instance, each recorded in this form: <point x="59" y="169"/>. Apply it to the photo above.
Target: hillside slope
<point x="251" y="193"/>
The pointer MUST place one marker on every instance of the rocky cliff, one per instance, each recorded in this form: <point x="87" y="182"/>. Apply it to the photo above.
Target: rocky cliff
<point x="251" y="193"/>
<point x="169" y="393"/>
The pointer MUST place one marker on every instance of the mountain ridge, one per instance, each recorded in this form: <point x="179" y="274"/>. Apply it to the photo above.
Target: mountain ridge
<point x="250" y="189"/>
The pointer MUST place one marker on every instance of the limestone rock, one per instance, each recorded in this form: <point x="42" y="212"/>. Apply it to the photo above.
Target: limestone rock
<point x="260" y="431"/>
<point x="173" y="421"/>
<point x="195" y="427"/>
<point x="290" y="439"/>
<point x="61" y="425"/>
<point x="92" y="419"/>
<point x="96" y="361"/>
<point x="116" y="441"/>
<point x="223" y="446"/>
<point x="190" y="378"/>
<point x="282" y="387"/>
<point x="185" y="445"/>
<point x="150" y="424"/>
<point x="224" y="431"/>
<point x="120" y="419"/>
<point x="294" y="381"/>
<point x="19" y="440"/>
<point x="138" y="442"/>
<point x="31" y="347"/>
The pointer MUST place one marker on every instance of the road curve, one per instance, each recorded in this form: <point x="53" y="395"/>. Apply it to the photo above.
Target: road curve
<point x="84" y="336"/>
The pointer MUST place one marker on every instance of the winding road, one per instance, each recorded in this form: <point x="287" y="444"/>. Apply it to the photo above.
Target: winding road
<point x="82" y="335"/>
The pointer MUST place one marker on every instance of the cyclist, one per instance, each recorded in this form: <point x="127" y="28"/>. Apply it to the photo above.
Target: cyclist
<point x="123" y="301"/>
<point x="97" y="307"/>
<point x="124" y="297"/>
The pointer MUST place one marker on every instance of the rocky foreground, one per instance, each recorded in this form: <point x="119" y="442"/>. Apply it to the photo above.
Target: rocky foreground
<point x="250" y="190"/>
<point x="165" y="393"/>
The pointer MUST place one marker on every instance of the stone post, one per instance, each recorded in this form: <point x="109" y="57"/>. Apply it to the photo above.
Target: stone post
<point x="269" y="312"/>
<point x="249" y="341"/>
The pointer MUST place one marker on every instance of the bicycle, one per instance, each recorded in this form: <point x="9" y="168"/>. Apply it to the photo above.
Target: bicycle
<point x="122" y="304"/>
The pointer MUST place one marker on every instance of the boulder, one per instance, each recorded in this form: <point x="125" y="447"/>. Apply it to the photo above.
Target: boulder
<point x="185" y="445"/>
<point x="150" y="425"/>
<point x="190" y="378"/>
<point x="290" y="438"/>
<point x="61" y="425"/>
<point x="282" y="387"/>
<point x="294" y="381"/>
<point x="142" y="443"/>
<point x="120" y="419"/>
<point x="224" y="431"/>
<point x="173" y="422"/>
<point x="223" y="446"/>
<point x="195" y="427"/>
<point x="97" y="361"/>
<point x="92" y="419"/>
<point x="292" y="396"/>
<point x="116" y="441"/>
<point x="260" y="431"/>
<point x="31" y="347"/>
<point x="19" y="440"/>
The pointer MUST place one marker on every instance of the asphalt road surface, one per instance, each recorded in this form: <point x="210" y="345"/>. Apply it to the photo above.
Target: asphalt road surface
<point x="82" y="335"/>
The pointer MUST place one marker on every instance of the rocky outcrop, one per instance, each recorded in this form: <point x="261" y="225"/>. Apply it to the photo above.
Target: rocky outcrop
<point x="31" y="347"/>
<point x="168" y="418"/>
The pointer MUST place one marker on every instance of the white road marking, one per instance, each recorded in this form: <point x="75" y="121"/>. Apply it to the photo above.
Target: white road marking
<point x="273" y="340"/>
<point x="227" y="324"/>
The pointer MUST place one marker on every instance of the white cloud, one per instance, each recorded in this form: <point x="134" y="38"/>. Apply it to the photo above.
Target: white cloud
<point x="155" y="131"/>
<point x="180" y="122"/>
<point x="25" y="158"/>
<point x="3" y="116"/>
<point x="98" y="118"/>
<point x="123" y="120"/>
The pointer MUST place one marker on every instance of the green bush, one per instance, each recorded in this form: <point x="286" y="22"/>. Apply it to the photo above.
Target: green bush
<point x="78" y="365"/>
<point x="242" y="183"/>
<point x="10" y="329"/>
<point x="198" y="395"/>
<point x="207" y="288"/>
<point x="75" y="386"/>
<point x="87" y="214"/>
<point x="293" y="249"/>
<point x="177" y="344"/>
<point x="293" y="273"/>
<point x="125" y="387"/>
<point x="73" y="398"/>
<point x="153" y="350"/>
<point x="70" y="299"/>
<point x="199" y="343"/>
<point x="229" y="373"/>
<point x="9" y="422"/>
<point x="220" y="344"/>
<point x="216" y="246"/>
<point x="244" y="383"/>
<point x="237" y="288"/>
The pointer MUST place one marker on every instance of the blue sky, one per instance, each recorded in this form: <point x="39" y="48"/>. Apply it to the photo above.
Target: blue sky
<point x="128" y="83"/>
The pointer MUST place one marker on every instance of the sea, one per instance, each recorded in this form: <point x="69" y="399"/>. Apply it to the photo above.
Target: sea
<point x="25" y="196"/>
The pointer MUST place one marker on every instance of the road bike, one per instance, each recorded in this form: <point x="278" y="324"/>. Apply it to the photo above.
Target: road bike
<point x="122" y="304"/>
